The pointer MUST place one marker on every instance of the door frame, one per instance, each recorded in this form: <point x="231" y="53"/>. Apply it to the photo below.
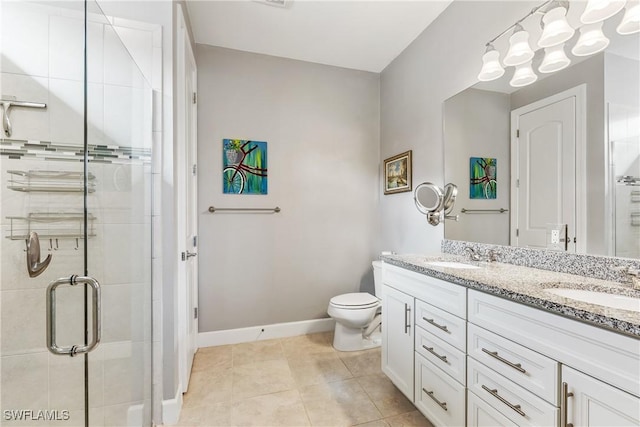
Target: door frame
<point x="186" y="343"/>
<point x="580" y="94"/>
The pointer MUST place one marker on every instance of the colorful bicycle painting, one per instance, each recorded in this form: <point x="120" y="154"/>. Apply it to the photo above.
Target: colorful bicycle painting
<point x="244" y="167"/>
<point x="483" y="178"/>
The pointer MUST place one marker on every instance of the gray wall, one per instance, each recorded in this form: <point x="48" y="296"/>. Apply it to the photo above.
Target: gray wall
<point x="444" y="60"/>
<point x="477" y="125"/>
<point x="591" y="72"/>
<point x="322" y="128"/>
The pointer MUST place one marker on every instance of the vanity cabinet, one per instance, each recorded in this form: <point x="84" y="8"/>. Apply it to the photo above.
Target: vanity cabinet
<point x="590" y="402"/>
<point x="397" y="338"/>
<point x="465" y="357"/>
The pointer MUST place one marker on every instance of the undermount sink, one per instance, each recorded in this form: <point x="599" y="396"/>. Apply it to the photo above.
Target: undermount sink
<point x="451" y="264"/>
<point x="622" y="302"/>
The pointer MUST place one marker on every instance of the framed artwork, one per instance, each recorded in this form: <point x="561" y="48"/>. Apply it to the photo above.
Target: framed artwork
<point x="397" y="173"/>
<point x="482" y="178"/>
<point x="244" y="166"/>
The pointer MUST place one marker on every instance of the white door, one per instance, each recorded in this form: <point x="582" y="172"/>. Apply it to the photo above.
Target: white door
<point x="595" y="403"/>
<point x="544" y="156"/>
<point x="191" y="216"/>
<point x="187" y="204"/>
<point x="397" y="339"/>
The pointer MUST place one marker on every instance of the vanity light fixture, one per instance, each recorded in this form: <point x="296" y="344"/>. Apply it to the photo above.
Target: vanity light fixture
<point x="523" y="76"/>
<point x="592" y="40"/>
<point x="555" y="59"/>
<point x="491" y="67"/>
<point x="630" y="23"/>
<point x="519" y="49"/>
<point x="555" y="28"/>
<point x="599" y="10"/>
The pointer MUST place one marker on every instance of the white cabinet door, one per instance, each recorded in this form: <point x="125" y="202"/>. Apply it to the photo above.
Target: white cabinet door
<point x="481" y="414"/>
<point x="397" y="338"/>
<point x="591" y="402"/>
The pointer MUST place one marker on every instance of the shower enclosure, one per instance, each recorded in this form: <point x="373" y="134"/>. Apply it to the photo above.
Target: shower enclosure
<point x="75" y="170"/>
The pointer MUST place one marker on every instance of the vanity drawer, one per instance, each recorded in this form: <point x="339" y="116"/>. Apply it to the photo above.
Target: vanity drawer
<point x="438" y="396"/>
<point x="481" y="414"/>
<point x="531" y="370"/>
<point x="449" y="328"/>
<point x="444" y="356"/>
<point x="446" y="295"/>
<point x="608" y="356"/>
<point x="519" y="405"/>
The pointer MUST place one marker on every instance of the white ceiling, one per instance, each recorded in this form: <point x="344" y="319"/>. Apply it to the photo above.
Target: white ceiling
<point x="363" y="35"/>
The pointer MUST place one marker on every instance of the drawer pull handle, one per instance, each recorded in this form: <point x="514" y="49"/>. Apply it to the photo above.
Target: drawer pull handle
<point x="494" y="393"/>
<point x="564" y="406"/>
<point x="430" y="350"/>
<point x="516" y="366"/>
<point x="432" y="321"/>
<point x="443" y="405"/>
<point x="407" y="316"/>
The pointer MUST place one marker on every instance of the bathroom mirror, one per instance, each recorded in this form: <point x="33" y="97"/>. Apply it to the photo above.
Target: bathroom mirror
<point x="429" y="198"/>
<point x="450" y="195"/>
<point x="479" y="124"/>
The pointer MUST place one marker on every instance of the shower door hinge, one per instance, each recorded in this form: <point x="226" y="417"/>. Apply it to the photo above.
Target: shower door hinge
<point x="195" y="312"/>
<point x="195" y="98"/>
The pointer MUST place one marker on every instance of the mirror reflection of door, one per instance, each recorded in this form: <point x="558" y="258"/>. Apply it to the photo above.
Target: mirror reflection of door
<point x="544" y="161"/>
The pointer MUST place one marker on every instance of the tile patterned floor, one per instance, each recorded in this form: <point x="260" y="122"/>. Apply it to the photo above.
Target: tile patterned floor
<point x="297" y="381"/>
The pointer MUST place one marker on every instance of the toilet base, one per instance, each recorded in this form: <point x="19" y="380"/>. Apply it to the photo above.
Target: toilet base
<point x="351" y="339"/>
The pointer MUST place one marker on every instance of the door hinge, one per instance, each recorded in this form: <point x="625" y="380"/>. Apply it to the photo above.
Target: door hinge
<point x="517" y="232"/>
<point x="194" y="169"/>
<point x="183" y="256"/>
<point x="195" y="312"/>
<point x="517" y="132"/>
<point x="517" y="183"/>
<point x="195" y="98"/>
<point x="195" y="241"/>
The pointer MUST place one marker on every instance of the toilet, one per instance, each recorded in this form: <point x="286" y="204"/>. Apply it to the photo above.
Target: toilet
<point x="358" y="317"/>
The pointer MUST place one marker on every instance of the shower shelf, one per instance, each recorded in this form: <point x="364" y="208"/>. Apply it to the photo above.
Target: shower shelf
<point x="50" y="181"/>
<point x="54" y="225"/>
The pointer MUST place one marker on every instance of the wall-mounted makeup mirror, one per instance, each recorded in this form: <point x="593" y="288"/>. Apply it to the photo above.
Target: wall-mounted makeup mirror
<point x="601" y="95"/>
<point x="435" y="202"/>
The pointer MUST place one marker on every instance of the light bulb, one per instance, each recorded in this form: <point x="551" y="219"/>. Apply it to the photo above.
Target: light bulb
<point x="491" y="68"/>
<point x="631" y="21"/>
<point x="519" y="49"/>
<point x="554" y="59"/>
<point x="556" y="29"/>
<point x="523" y="76"/>
<point x="599" y="10"/>
<point x="592" y="40"/>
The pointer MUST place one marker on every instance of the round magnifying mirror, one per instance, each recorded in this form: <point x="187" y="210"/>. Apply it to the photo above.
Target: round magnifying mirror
<point x="428" y="198"/>
<point x="450" y="194"/>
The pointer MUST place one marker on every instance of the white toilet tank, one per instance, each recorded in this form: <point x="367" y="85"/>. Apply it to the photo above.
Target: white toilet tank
<point x="377" y="277"/>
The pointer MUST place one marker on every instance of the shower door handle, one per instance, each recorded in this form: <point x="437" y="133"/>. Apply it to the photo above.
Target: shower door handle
<point x="96" y="327"/>
<point x="34" y="266"/>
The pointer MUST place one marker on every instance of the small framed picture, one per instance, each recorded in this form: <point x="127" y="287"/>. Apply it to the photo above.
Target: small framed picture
<point x="397" y="173"/>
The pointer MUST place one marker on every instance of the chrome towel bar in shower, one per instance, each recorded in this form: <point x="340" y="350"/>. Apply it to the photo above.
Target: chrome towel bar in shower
<point x="273" y="210"/>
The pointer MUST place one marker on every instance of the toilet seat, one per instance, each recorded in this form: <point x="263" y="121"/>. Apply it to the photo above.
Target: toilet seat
<point x="355" y="301"/>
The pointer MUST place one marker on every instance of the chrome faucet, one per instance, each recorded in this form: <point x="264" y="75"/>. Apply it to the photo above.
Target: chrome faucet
<point x="492" y="256"/>
<point x="473" y="255"/>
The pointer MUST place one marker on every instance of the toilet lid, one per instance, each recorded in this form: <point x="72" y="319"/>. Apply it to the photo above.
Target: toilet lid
<point x="356" y="299"/>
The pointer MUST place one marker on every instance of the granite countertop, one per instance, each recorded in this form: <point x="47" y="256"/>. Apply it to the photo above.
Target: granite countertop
<point x="527" y="286"/>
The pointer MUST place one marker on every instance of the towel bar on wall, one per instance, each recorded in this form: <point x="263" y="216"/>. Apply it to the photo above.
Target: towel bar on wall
<point x="273" y="210"/>
<point x="501" y="210"/>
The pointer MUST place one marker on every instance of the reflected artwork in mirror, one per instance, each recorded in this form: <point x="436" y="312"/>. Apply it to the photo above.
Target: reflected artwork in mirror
<point x="568" y="143"/>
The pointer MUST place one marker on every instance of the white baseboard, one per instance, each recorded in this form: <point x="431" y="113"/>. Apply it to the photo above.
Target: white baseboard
<point x="171" y="408"/>
<point x="265" y="332"/>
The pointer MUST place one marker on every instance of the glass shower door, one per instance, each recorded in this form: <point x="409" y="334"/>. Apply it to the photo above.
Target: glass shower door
<point x="74" y="162"/>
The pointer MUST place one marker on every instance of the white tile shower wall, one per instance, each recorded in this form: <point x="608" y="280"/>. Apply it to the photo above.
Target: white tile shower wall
<point x="41" y="62"/>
